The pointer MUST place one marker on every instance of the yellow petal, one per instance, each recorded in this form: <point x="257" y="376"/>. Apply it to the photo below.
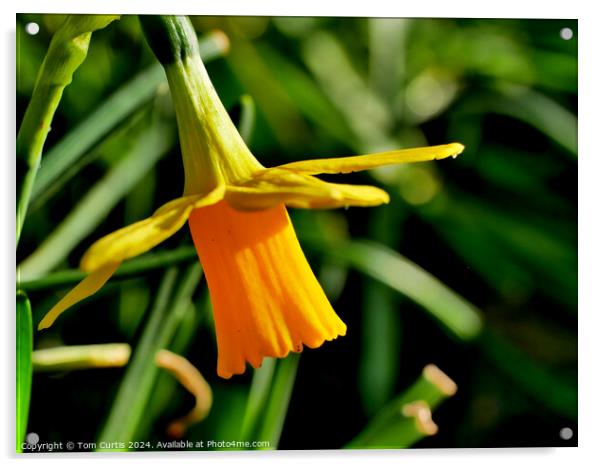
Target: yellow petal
<point x="370" y="161"/>
<point x="271" y="187"/>
<point x="140" y="237"/>
<point x="88" y="286"/>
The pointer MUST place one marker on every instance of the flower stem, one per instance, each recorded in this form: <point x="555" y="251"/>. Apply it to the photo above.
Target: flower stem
<point x="76" y="357"/>
<point x="67" y="51"/>
<point x="399" y="424"/>
<point x="67" y="152"/>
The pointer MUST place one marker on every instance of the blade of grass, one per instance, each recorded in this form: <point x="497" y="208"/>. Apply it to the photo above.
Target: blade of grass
<point x="258" y="395"/>
<point x="247" y="118"/>
<point x="307" y="96"/>
<point x="151" y="145"/>
<point x="67" y="51"/>
<point x="381" y="321"/>
<point x="390" y="428"/>
<point x="23" y="365"/>
<point x="532" y="108"/>
<point x="538" y="110"/>
<point x="381" y="345"/>
<point x="365" y="113"/>
<point x="162" y="397"/>
<point x="136" y="267"/>
<point x="166" y="387"/>
<point x="129" y="408"/>
<point x="134" y="295"/>
<point x="551" y="258"/>
<point x="457" y="315"/>
<point x="463" y="234"/>
<point x="278" y="402"/>
<point x="103" y="153"/>
<point x="387" y="37"/>
<point x="119" y="423"/>
<point x="110" y="113"/>
<point x="257" y="77"/>
<point x="514" y="251"/>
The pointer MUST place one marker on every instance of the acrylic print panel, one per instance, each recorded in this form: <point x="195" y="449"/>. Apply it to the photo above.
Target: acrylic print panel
<point x="267" y="290"/>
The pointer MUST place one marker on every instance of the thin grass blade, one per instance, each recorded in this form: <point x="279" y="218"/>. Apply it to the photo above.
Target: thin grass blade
<point x="24" y="365"/>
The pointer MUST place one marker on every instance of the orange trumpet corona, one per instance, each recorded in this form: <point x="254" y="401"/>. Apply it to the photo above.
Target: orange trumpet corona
<point x="266" y="300"/>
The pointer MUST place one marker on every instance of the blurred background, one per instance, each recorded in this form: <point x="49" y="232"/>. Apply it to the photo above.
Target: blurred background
<point x="471" y="267"/>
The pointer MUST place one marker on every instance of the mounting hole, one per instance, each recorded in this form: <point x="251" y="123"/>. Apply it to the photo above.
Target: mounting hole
<point x="32" y="28"/>
<point x="566" y="34"/>
<point x="566" y="433"/>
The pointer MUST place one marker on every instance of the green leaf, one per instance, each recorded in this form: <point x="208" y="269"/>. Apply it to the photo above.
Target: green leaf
<point x="24" y="365"/>
<point x="381" y="326"/>
<point x="246" y="124"/>
<point x="130" y="405"/>
<point x="463" y="234"/>
<point x="92" y="209"/>
<point x="135" y="267"/>
<point x="257" y="78"/>
<point x="276" y="406"/>
<point x="165" y="392"/>
<point x="306" y="95"/>
<point x="369" y="118"/>
<point x="531" y="107"/>
<point x="513" y="250"/>
<point x="387" y="39"/>
<point x="381" y="329"/>
<point x="543" y="113"/>
<point x="258" y="395"/>
<point x="459" y="317"/>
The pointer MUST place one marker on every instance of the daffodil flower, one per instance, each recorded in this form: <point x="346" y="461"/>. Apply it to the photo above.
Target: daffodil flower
<point x="266" y="299"/>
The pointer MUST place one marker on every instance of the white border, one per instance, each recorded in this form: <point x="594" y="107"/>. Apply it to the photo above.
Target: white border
<point x="422" y="8"/>
<point x="590" y="231"/>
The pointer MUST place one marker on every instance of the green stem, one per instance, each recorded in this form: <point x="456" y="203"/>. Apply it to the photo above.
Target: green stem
<point x="67" y="51"/>
<point x="135" y="267"/>
<point x="78" y="357"/>
<point x="135" y="390"/>
<point x="212" y="149"/>
<point x="107" y="116"/>
<point x="24" y="366"/>
<point x="390" y="428"/>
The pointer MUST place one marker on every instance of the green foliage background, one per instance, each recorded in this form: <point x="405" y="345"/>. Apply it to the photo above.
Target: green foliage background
<point x="497" y="226"/>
